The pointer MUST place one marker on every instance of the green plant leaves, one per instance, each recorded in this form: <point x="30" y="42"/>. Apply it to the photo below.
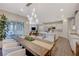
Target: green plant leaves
<point x="3" y="25"/>
<point x="29" y="38"/>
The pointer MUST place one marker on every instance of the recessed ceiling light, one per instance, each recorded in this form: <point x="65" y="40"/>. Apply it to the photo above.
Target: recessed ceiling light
<point x="21" y="9"/>
<point x="61" y="9"/>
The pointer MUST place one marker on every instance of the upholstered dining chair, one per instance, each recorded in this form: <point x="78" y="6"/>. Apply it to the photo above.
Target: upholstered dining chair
<point x="7" y="50"/>
<point x="20" y="52"/>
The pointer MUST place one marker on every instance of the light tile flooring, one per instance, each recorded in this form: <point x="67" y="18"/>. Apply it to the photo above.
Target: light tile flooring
<point x="62" y="48"/>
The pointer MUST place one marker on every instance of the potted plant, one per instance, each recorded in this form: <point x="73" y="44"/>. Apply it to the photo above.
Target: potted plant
<point x="3" y="27"/>
<point x="29" y="38"/>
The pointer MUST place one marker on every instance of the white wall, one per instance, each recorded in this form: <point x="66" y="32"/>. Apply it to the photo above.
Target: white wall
<point x="65" y="28"/>
<point x="74" y="38"/>
<point x="77" y="22"/>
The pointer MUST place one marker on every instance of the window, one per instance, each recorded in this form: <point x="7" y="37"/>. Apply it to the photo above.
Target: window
<point x="15" y="29"/>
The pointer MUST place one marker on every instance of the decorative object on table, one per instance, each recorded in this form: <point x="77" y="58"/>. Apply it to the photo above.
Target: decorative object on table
<point x="29" y="38"/>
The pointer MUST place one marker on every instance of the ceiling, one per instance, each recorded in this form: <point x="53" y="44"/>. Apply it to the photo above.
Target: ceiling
<point x="46" y="12"/>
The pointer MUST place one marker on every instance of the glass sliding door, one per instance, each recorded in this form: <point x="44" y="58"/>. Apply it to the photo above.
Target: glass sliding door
<point x="15" y="29"/>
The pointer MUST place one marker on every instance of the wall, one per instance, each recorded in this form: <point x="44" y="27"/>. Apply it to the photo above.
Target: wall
<point x="77" y="22"/>
<point x="74" y="38"/>
<point x="65" y="28"/>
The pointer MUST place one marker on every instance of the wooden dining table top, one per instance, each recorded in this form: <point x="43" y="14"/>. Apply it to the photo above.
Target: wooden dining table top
<point x="33" y="48"/>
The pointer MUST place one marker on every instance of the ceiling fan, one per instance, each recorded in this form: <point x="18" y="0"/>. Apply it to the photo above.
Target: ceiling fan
<point x="28" y="4"/>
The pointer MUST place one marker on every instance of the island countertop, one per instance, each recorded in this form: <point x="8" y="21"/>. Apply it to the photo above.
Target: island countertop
<point x="75" y="34"/>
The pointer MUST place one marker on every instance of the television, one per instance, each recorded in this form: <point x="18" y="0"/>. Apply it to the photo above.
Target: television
<point x="53" y="28"/>
<point x="33" y="28"/>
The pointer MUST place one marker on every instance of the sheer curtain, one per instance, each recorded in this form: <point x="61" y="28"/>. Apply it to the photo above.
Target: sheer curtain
<point x="15" y="29"/>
